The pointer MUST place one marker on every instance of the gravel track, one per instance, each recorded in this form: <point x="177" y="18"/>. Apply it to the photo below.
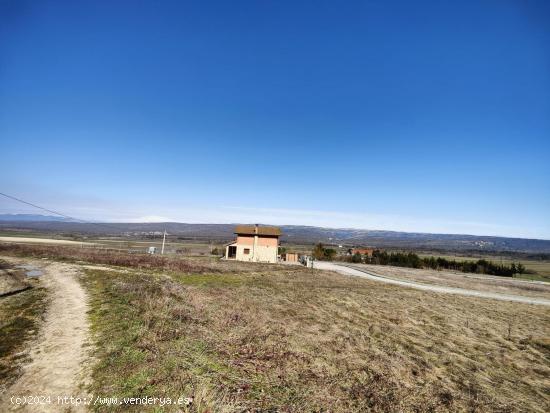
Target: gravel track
<point x="343" y="269"/>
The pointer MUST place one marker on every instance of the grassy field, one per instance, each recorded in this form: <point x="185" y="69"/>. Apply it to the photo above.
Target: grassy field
<point x="20" y="316"/>
<point x="278" y="338"/>
<point x="456" y="279"/>
<point x="263" y="338"/>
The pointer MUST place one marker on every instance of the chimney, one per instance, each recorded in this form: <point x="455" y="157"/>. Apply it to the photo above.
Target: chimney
<point x="255" y="242"/>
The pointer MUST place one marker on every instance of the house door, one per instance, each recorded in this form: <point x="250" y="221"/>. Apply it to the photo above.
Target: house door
<point x="232" y="252"/>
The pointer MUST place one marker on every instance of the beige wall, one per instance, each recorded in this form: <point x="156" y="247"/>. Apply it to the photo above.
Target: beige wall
<point x="265" y="241"/>
<point x="268" y="241"/>
<point x="245" y="239"/>
<point x="259" y="254"/>
<point x="264" y="250"/>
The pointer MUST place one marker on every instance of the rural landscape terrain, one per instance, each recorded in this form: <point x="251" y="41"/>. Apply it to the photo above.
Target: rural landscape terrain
<point x="105" y="322"/>
<point x="293" y="234"/>
<point x="274" y="206"/>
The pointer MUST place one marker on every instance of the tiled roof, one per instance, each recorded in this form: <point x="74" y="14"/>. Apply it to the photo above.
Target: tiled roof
<point x="251" y="230"/>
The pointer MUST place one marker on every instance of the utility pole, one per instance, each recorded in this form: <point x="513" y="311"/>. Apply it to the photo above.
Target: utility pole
<point x="163" y="241"/>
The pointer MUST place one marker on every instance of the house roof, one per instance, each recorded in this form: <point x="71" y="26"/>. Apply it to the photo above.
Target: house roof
<point x="251" y="230"/>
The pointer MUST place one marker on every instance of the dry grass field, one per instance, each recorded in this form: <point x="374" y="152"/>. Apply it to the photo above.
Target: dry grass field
<point x="118" y="258"/>
<point x="480" y="282"/>
<point x="287" y="339"/>
<point x="242" y="337"/>
<point x="35" y="240"/>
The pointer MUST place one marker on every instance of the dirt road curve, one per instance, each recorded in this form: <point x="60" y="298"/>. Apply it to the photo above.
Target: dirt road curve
<point x="59" y="356"/>
<point x="342" y="269"/>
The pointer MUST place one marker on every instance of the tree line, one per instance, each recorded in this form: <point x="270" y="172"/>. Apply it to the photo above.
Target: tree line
<point x="412" y="260"/>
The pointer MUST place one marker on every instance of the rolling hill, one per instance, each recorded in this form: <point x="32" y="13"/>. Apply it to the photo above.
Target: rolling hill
<point x="291" y="234"/>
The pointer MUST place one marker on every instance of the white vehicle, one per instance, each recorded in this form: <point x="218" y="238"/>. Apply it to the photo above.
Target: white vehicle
<point x="152" y="250"/>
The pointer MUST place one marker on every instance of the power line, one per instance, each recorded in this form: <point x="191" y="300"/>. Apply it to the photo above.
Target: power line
<point x="60" y="214"/>
<point x="39" y="207"/>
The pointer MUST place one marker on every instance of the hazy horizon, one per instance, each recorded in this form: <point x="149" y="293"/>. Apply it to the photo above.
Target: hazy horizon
<point x="162" y="220"/>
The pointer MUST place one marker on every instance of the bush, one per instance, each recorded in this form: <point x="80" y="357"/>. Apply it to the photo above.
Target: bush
<point x="323" y="254"/>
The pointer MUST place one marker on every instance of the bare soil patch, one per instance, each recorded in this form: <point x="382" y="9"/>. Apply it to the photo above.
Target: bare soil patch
<point x="11" y="279"/>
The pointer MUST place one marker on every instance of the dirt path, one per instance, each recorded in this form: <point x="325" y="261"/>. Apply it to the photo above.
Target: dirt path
<point x="342" y="269"/>
<point x="59" y="356"/>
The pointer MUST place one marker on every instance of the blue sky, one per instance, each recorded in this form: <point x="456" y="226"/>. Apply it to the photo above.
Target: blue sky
<point x="415" y="116"/>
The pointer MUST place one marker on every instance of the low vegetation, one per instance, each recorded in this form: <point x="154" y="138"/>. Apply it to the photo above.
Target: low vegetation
<point x="322" y="253"/>
<point x="293" y="339"/>
<point x="20" y="316"/>
<point x="109" y="257"/>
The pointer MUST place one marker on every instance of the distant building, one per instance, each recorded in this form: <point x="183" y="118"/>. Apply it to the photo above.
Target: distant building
<point x="362" y="251"/>
<point x="290" y="257"/>
<point x="254" y="243"/>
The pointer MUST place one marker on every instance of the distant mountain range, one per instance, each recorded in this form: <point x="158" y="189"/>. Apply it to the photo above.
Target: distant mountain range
<point x="291" y="234"/>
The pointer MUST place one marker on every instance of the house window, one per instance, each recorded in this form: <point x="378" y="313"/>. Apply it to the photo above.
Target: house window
<point x="247" y="251"/>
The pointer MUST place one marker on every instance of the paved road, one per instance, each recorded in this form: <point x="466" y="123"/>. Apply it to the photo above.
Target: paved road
<point x="342" y="269"/>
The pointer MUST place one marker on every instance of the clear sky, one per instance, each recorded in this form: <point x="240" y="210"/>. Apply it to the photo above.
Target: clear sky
<point x="417" y="116"/>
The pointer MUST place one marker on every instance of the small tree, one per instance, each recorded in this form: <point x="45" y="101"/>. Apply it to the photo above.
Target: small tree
<point x="318" y="252"/>
<point x="329" y="253"/>
<point x="356" y="258"/>
<point x="323" y="254"/>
